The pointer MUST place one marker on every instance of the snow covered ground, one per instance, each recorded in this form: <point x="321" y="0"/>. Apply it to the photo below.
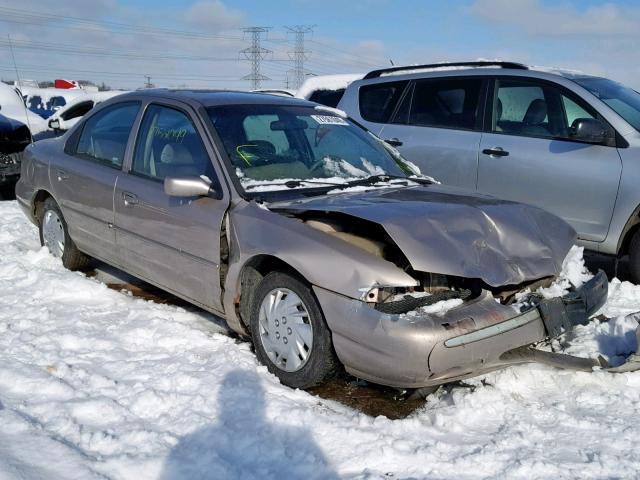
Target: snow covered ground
<point x="95" y="383"/>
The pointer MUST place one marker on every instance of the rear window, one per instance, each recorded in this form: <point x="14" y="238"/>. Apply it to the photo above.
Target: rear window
<point x="377" y="102"/>
<point x="329" y="98"/>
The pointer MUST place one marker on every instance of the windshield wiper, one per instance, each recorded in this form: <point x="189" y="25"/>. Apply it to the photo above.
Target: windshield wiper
<point x="293" y="184"/>
<point x="373" y="179"/>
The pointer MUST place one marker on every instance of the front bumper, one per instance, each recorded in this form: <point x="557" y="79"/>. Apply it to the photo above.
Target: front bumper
<point x="481" y="335"/>
<point x="10" y="167"/>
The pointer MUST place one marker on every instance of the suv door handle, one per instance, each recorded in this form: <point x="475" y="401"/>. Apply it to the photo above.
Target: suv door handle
<point x="495" y="152"/>
<point x="62" y="175"/>
<point x="129" y="199"/>
<point x="394" y="142"/>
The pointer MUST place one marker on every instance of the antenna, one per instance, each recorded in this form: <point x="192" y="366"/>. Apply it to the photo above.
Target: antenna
<point x="15" y="66"/>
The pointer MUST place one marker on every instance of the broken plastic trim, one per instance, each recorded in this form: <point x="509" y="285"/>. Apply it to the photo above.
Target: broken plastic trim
<point x="516" y="322"/>
<point x="409" y="303"/>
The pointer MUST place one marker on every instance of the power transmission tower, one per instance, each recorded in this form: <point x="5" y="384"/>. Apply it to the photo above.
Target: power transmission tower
<point x="299" y="54"/>
<point x="255" y="53"/>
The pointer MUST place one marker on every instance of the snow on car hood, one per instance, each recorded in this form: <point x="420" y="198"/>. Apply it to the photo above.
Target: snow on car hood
<point x="444" y="230"/>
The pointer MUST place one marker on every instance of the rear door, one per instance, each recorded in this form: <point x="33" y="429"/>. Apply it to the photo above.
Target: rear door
<point x="173" y="242"/>
<point x="528" y="155"/>
<point x="84" y="177"/>
<point x="438" y="126"/>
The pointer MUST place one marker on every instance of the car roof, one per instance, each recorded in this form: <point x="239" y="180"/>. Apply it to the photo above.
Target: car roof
<point x="488" y="68"/>
<point x="210" y="98"/>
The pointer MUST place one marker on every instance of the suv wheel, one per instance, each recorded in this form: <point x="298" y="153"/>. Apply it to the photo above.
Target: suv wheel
<point x="634" y="257"/>
<point x="55" y="236"/>
<point x="289" y="333"/>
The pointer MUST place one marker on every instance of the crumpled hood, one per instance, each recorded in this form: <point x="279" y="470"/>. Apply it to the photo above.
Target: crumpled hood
<point x="445" y="230"/>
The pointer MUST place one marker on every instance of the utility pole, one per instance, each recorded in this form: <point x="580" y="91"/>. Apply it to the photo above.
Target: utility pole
<point x="255" y="53"/>
<point x="299" y="54"/>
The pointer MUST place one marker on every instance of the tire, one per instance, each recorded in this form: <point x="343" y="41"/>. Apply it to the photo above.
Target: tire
<point x="634" y="257"/>
<point x="50" y="217"/>
<point x="307" y="328"/>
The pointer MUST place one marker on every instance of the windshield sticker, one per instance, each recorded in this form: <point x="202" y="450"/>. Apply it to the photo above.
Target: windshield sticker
<point x="329" y="120"/>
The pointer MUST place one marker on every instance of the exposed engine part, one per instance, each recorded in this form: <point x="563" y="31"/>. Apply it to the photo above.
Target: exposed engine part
<point x="409" y="302"/>
<point x="333" y="228"/>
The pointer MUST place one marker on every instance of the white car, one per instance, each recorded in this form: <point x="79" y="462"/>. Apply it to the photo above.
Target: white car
<point x="12" y="106"/>
<point x="72" y="112"/>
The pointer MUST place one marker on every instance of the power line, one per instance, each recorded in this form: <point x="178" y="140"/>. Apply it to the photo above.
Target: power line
<point x="255" y="53"/>
<point x="38" y="18"/>
<point x="299" y="55"/>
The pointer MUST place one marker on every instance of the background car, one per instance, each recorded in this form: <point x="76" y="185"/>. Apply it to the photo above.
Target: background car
<point x="14" y="138"/>
<point x="12" y="106"/>
<point x="67" y="116"/>
<point x="564" y="141"/>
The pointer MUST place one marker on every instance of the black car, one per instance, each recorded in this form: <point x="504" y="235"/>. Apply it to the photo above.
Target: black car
<point x="14" y="138"/>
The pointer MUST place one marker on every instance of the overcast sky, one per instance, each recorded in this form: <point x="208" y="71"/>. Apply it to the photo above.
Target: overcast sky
<point x="198" y="43"/>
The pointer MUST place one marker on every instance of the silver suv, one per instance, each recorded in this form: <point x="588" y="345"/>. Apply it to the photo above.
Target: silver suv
<point x="558" y="140"/>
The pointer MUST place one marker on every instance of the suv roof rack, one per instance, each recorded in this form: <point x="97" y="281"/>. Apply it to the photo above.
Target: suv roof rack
<point x="378" y="73"/>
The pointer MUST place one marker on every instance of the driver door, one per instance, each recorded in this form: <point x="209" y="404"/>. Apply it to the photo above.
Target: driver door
<point x="173" y="242"/>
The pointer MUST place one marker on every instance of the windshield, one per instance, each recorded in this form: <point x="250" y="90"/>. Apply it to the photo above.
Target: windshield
<point x="273" y="147"/>
<point x="623" y="100"/>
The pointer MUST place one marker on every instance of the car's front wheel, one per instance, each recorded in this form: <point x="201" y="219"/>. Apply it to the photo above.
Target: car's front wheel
<point x="55" y="236"/>
<point x="289" y="332"/>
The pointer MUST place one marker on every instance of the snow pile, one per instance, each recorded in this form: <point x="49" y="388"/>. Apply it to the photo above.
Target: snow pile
<point x="98" y="384"/>
<point x="574" y="273"/>
<point x="326" y="82"/>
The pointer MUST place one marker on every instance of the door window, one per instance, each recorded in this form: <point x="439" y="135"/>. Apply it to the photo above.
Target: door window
<point x="448" y="103"/>
<point x="536" y="110"/>
<point x="105" y="135"/>
<point x="378" y="101"/>
<point x="169" y="145"/>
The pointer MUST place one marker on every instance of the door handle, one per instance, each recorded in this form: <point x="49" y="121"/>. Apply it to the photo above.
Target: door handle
<point x="129" y="199"/>
<point x="394" y="142"/>
<point x="495" y="152"/>
<point x="62" y="175"/>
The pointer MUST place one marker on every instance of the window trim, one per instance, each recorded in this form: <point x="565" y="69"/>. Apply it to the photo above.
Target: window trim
<point x="480" y="123"/>
<point x="128" y="168"/>
<point x="71" y="147"/>
<point x="615" y="141"/>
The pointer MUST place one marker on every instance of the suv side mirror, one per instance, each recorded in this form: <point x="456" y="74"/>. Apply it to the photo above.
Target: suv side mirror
<point x="54" y="124"/>
<point x="187" y="187"/>
<point x="589" y="130"/>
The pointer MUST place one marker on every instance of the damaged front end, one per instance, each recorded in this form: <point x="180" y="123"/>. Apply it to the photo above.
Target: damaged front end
<point x="474" y="312"/>
<point x="421" y="348"/>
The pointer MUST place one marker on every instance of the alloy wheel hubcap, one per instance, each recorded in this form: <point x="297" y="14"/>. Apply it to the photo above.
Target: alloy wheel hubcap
<point x="285" y="329"/>
<point x="53" y="233"/>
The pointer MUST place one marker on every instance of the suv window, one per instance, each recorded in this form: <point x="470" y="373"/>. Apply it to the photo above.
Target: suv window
<point x="527" y="108"/>
<point x="449" y="103"/>
<point x="378" y="101"/>
<point x="105" y="135"/>
<point x="169" y="145"/>
<point x="330" y="98"/>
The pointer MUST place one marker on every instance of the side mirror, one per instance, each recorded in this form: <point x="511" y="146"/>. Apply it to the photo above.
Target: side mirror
<point x="54" y="124"/>
<point x="589" y="130"/>
<point x="187" y="187"/>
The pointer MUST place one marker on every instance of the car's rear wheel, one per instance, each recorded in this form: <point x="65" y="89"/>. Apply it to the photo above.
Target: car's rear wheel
<point x="289" y="332"/>
<point x="55" y="236"/>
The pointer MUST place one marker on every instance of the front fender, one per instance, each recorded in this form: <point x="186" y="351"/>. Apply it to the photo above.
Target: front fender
<point x="323" y="260"/>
